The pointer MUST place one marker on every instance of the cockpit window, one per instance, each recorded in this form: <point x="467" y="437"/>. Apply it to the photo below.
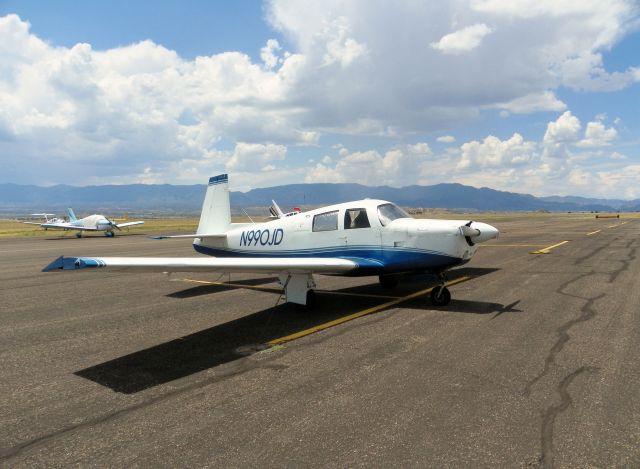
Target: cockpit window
<point x="389" y="212"/>
<point x="356" y="218"/>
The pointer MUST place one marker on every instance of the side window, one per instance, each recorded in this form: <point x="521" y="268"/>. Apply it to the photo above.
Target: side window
<point x="356" y="218"/>
<point x="326" y="221"/>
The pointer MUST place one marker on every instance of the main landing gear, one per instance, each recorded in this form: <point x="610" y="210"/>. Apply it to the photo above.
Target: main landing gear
<point x="440" y="295"/>
<point x="298" y="289"/>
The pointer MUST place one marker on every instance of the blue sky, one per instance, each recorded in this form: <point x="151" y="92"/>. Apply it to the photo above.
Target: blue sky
<point x="526" y="96"/>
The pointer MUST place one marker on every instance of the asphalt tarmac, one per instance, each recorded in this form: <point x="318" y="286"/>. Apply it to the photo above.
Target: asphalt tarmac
<point x="535" y="363"/>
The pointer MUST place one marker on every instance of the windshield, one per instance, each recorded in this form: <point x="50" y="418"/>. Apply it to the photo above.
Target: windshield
<point x="389" y="212"/>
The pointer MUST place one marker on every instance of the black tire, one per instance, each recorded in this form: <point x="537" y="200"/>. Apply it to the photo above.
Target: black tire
<point x="440" y="296"/>
<point x="388" y="281"/>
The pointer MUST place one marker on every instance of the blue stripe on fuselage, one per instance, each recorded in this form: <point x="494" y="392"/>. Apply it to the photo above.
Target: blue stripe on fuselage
<point x="371" y="260"/>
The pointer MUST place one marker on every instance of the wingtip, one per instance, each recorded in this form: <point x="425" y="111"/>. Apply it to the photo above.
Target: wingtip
<point x="55" y="265"/>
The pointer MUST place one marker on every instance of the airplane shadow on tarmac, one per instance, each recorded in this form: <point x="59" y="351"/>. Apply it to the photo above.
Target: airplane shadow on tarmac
<point x="244" y="336"/>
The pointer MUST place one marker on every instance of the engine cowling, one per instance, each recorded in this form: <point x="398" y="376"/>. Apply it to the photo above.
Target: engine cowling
<point x="104" y="225"/>
<point x="478" y="232"/>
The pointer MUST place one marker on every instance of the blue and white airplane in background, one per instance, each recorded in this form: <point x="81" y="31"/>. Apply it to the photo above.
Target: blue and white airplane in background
<point x="90" y="223"/>
<point x="365" y="237"/>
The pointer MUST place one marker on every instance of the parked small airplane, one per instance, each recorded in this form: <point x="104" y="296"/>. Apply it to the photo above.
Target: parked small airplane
<point x="365" y="237"/>
<point x="46" y="219"/>
<point x="90" y="223"/>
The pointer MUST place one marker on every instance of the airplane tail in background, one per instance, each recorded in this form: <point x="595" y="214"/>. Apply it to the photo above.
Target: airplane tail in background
<point x="72" y="216"/>
<point x="216" y="210"/>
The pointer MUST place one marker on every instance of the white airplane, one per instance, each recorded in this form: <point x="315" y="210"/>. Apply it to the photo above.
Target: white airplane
<point x="365" y="237"/>
<point x="90" y="223"/>
<point x="46" y="219"/>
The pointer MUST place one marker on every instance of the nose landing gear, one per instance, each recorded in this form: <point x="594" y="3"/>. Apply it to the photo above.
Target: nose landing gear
<point x="440" y="295"/>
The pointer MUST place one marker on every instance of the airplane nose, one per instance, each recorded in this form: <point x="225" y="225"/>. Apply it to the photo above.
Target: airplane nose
<point x="487" y="232"/>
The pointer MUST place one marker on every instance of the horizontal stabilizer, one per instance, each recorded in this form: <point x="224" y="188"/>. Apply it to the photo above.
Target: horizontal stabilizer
<point x="201" y="235"/>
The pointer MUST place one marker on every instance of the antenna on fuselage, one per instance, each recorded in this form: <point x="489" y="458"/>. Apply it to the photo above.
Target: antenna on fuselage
<point x="245" y="212"/>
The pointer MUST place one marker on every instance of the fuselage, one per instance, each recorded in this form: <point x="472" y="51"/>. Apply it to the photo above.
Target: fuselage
<point x="98" y="222"/>
<point x="376" y="234"/>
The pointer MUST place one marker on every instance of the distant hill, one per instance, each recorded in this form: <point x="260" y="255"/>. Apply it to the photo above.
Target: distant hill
<point x="167" y="198"/>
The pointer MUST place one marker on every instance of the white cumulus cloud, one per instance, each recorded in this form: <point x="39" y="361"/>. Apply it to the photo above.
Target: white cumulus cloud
<point x="462" y="40"/>
<point x="597" y="135"/>
<point x="396" y="167"/>
<point x="494" y="153"/>
<point x="358" y="68"/>
<point x="563" y="130"/>
<point x="446" y="139"/>
<point x="255" y="156"/>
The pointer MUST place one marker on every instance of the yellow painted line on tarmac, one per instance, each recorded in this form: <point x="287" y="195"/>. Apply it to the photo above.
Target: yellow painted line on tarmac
<point x="616" y="225"/>
<point x="225" y="284"/>
<point x="548" y="248"/>
<point x="511" y="245"/>
<point x="593" y="232"/>
<point x="359" y="314"/>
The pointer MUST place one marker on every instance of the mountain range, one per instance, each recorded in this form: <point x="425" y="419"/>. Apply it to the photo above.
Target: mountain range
<point x="187" y="199"/>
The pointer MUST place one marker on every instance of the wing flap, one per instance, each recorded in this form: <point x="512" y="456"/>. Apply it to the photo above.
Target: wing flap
<point x="211" y="264"/>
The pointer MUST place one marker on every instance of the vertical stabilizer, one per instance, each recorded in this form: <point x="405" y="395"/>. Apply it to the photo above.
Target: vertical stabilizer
<point x="72" y="216"/>
<point x="216" y="211"/>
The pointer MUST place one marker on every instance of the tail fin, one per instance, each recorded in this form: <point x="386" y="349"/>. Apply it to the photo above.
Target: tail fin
<point x="72" y="216"/>
<point x="216" y="210"/>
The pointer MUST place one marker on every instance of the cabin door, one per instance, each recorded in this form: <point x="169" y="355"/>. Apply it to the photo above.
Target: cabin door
<point x="359" y="236"/>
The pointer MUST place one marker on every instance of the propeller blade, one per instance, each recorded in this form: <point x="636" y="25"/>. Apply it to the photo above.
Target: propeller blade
<point x="468" y="231"/>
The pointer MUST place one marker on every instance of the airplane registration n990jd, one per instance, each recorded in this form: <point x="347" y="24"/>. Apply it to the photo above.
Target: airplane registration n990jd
<point x="365" y="237"/>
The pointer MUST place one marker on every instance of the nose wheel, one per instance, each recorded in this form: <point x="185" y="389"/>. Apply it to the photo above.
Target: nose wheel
<point x="440" y="295"/>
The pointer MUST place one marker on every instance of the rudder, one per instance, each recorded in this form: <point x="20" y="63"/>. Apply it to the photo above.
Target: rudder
<point x="216" y="211"/>
<point x="72" y="215"/>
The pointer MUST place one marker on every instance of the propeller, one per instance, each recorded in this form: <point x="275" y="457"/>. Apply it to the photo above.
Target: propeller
<point x="113" y="223"/>
<point x="469" y="233"/>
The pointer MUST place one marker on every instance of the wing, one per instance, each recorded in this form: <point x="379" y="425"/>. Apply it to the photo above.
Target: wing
<point x="66" y="226"/>
<point x="210" y="264"/>
<point x="32" y="223"/>
<point x="129" y="223"/>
